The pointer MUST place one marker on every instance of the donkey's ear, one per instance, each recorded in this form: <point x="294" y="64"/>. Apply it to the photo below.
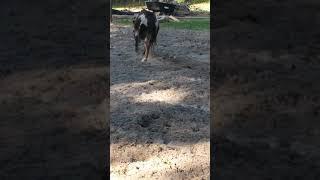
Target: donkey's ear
<point x="135" y="15"/>
<point x="134" y="18"/>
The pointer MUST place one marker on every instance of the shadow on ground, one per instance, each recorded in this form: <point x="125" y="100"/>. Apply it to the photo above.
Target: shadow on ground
<point x="53" y="76"/>
<point x="265" y="96"/>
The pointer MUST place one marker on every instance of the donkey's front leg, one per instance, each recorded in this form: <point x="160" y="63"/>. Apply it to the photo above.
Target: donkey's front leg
<point x="136" y="44"/>
<point x="145" y="51"/>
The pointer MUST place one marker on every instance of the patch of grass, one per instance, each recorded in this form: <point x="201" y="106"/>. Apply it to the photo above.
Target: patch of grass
<point x="191" y="24"/>
<point x="202" y="24"/>
<point x="122" y="21"/>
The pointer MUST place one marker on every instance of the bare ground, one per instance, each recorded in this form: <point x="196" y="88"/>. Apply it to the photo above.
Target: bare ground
<point x="160" y="109"/>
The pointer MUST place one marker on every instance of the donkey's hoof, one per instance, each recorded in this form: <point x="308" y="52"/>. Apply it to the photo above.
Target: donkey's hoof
<point x="144" y="59"/>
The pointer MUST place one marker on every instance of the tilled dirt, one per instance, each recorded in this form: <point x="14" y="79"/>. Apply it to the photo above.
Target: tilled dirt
<point x="160" y="108"/>
<point x="266" y="63"/>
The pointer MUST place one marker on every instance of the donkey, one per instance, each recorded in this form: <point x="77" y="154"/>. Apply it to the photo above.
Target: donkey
<point x="145" y="27"/>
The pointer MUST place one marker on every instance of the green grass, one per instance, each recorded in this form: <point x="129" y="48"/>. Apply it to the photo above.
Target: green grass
<point x="191" y="24"/>
<point x="122" y="21"/>
<point x="202" y="24"/>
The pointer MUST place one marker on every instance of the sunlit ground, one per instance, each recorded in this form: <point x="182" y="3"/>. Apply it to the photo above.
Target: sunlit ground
<point x="170" y="96"/>
<point x="160" y="110"/>
<point x="175" y="160"/>
<point x="198" y="7"/>
<point x="180" y="162"/>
